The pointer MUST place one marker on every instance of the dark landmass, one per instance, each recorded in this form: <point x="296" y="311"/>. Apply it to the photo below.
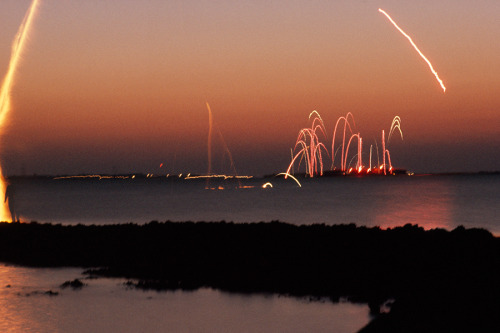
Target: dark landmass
<point x="440" y="281"/>
<point x="74" y="284"/>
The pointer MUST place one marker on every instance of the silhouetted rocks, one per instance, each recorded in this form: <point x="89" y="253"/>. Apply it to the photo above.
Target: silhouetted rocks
<point x="441" y="281"/>
<point x="74" y="284"/>
<point x="38" y="292"/>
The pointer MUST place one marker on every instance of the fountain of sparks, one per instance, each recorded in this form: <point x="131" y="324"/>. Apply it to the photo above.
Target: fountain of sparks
<point x="17" y="48"/>
<point x="308" y="148"/>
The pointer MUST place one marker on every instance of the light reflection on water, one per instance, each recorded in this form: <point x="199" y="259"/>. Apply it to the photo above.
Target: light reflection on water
<point x="105" y="305"/>
<point x="432" y="210"/>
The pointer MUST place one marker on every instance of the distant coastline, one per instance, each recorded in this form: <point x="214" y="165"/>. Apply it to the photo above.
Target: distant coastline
<point x="440" y="280"/>
<point x="180" y="176"/>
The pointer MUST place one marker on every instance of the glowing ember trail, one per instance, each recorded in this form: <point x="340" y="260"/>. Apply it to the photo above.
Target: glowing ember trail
<point x="210" y="125"/>
<point x="416" y="48"/>
<point x="17" y="48"/>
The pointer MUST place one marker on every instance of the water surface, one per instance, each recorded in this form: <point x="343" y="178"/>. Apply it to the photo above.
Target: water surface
<point x="106" y="305"/>
<point x="430" y="201"/>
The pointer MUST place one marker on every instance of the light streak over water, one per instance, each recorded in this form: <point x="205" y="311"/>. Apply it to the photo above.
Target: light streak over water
<point x="416" y="48"/>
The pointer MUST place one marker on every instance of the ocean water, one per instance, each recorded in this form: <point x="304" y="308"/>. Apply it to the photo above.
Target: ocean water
<point x="429" y="201"/>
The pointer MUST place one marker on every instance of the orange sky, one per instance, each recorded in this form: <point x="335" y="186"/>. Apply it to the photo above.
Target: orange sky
<point x="121" y="85"/>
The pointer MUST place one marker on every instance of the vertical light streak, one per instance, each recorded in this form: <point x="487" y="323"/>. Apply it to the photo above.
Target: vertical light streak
<point x="346" y="124"/>
<point x="209" y="148"/>
<point x="18" y="45"/>
<point x="371" y="146"/>
<point x="416" y="48"/>
<point x="383" y="151"/>
<point x="210" y="125"/>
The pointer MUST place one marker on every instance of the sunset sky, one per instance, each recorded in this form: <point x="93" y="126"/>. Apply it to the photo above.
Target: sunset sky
<point x="120" y="86"/>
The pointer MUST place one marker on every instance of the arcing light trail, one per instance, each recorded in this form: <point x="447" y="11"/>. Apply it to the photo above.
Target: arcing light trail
<point x="416" y="48"/>
<point x="17" y="49"/>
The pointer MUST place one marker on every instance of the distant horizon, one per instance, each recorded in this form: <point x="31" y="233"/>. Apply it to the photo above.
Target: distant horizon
<point x="184" y="174"/>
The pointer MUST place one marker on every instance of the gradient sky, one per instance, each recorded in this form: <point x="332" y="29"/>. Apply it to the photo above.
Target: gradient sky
<point x="120" y="86"/>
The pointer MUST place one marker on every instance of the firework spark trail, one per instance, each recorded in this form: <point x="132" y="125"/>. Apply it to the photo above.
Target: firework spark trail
<point x="210" y="125"/>
<point x="210" y="130"/>
<point x="396" y="124"/>
<point x="334" y="152"/>
<point x="18" y="45"/>
<point x="416" y="48"/>
<point x="311" y="152"/>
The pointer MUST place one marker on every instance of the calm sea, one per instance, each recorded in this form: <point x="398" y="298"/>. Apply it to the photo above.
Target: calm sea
<point x="105" y="305"/>
<point x="429" y="201"/>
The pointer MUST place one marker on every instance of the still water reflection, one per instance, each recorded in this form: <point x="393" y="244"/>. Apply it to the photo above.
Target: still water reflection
<point x="105" y="305"/>
<point x="426" y="203"/>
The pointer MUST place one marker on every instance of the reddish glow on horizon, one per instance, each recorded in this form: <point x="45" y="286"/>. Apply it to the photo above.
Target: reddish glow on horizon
<point x="416" y="48"/>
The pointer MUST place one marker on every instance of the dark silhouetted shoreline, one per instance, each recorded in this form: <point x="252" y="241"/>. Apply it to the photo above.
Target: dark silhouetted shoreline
<point x="441" y="281"/>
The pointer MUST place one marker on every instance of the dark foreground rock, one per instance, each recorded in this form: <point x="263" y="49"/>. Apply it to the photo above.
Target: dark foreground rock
<point x="73" y="284"/>
<point x="441" y="281"/>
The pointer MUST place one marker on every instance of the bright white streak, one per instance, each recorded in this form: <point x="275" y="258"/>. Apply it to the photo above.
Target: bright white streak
<point x="17" y="48"/>
<point x="416" y="48"/>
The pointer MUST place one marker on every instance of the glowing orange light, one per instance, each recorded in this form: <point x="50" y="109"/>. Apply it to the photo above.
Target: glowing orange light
<point x="266" y="185"/>
<point x="93" y="176"/>
<point x="17" y="48"/>
<point x="217" y="176"/>
<point x="416" y="48"/>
